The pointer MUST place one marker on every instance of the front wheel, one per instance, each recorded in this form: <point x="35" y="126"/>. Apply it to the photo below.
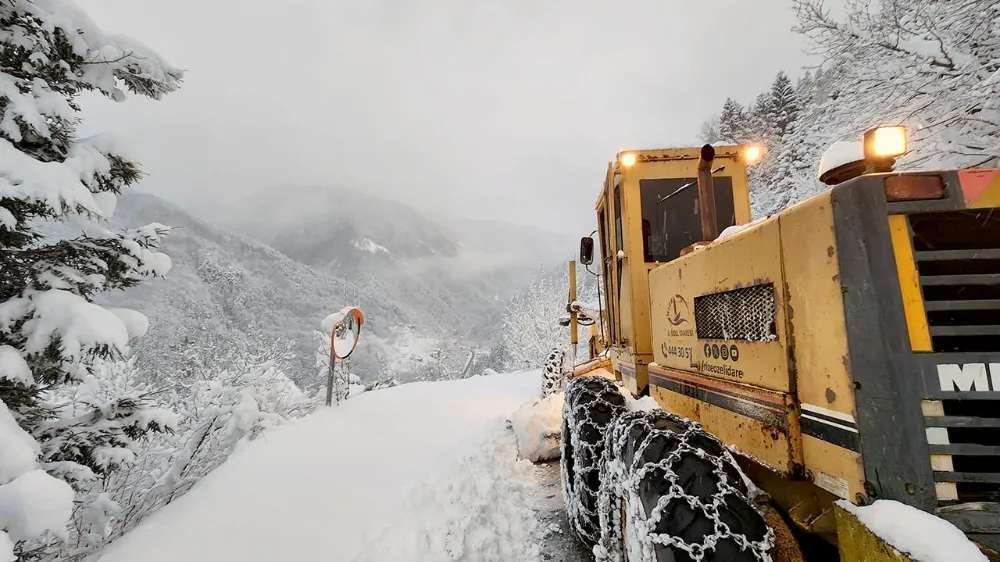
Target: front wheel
<point x="592" y="405"/>
<point x="673" y="493"/>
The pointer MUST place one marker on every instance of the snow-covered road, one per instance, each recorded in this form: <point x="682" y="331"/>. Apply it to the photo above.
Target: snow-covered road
<point x="423" y="471"/>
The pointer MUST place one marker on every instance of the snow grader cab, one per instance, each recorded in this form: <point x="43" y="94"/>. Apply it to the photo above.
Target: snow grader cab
<point x="842" y="351"/>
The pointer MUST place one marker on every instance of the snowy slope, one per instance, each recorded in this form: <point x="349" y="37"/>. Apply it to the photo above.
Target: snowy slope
<point x="227" y="288"/>
<point x="423" y="471"/>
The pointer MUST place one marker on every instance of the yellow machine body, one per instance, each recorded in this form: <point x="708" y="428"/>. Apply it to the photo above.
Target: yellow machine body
<point x="841" y="346"/>
<point x="620" y="226"/>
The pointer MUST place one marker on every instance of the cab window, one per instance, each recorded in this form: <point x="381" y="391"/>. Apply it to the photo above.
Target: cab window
<point x="671" y="225"/>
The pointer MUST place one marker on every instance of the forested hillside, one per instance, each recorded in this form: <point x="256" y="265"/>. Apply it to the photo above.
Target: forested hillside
<point x="929" y="65"/>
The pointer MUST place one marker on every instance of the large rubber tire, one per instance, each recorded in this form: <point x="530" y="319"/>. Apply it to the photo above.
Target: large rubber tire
<point x="554" y="373"/>
<point x="684" y="497"/>
<point x="592" y="405"/>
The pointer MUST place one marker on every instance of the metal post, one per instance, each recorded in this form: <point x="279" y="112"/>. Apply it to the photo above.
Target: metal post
<point x="329" y="380"/>
<point x="573" y="335"/>
<point x="706" y="195"/>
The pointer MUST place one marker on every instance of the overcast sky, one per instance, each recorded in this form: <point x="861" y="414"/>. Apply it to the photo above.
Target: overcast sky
<point x="507" y="109"/>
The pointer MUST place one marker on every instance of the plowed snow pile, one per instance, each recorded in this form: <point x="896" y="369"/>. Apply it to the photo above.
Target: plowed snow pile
<point x="422" y="471"/>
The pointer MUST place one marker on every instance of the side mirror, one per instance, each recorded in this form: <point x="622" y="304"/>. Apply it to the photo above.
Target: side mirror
<point x="586" y="250"/>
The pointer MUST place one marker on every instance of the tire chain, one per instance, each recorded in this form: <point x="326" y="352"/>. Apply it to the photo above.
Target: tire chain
<point x="585" y="394"/>
<point x="554" y="374"/>
<point x="620" y="479"/>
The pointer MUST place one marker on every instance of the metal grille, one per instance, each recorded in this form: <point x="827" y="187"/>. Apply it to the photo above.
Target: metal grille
<point x="746" y="314"/>
<point x="958" y="260"/>
<point x="964" y="439"/>
<point x="957" y="254"/>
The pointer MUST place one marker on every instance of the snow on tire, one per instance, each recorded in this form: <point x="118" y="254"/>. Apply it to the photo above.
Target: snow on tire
<point x="677" y="495"/>
<point x="554" y="373"/>
<point x="592" y="404"/>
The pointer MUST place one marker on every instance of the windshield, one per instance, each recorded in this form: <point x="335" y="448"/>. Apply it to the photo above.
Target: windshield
<point x="674" y="224"/>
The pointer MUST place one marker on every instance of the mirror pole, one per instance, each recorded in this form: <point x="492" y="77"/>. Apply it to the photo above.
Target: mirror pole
<point x="573" y="335"/>
<point x="329" y="379"/>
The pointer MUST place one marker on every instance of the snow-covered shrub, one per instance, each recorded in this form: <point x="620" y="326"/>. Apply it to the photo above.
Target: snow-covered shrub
<point x="530" y="325"/>
<point x="55" y="189"/>
<point x="213" y="413"/>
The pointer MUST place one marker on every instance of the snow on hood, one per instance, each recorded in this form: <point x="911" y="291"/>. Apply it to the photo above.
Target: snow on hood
<point x="840" y="153"/>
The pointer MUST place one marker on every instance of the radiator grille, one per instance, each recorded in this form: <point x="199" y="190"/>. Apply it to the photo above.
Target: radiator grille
<point x="958" y="264"/>
<point x="958" y="261"/>
<point x="964" y="435"/>
<point x="747" y="314"/>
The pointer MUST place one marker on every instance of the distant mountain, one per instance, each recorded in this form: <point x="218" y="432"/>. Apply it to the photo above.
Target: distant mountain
<point x="462" y="271"/>
<point x="432" y="295"/>
<point x="352" y="233"/>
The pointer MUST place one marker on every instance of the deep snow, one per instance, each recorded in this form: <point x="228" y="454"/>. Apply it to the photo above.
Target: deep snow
<point x="428" y="470"/>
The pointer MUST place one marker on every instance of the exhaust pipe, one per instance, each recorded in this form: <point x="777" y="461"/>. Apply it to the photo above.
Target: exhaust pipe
<point x="706" y="195"/>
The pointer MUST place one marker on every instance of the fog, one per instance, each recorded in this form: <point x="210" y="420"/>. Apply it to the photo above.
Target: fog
<point x="505" y="110"/>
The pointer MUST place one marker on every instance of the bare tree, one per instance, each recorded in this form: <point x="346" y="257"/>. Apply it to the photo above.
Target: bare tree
<point x="932" y="65"/>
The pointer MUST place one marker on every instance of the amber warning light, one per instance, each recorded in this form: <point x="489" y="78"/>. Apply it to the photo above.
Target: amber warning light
<point x="883" y="143"/>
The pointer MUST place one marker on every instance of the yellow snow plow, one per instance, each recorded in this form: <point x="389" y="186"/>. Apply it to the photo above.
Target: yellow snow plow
<point x="843" y="351"/>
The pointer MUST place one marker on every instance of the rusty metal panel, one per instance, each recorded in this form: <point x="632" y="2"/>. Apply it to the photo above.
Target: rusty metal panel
<point x="818" y="342"/>
<point x="747" y="259"/>
<point x="756" y="421"/>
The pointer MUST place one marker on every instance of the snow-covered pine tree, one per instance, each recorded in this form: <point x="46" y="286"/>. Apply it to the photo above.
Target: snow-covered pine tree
<point x="784" y="105"/>
<point x="52" y="181"/>
<point x="732" y="122"/>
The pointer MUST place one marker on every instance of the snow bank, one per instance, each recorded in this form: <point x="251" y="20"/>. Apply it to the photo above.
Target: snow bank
<point x="921" y="535"/>
<point x="537" y="427"/>
<point x="477" y="510"/>
<point x="6" y="548"/>
<point x="321" y="487"/>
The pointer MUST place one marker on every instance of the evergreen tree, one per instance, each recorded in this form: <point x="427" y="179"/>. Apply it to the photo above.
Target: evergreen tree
<point x="52" y="182"/>
<point x="784" y="104"/>
<point x="760" y="128"/>
<point x="732" y="122"/>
